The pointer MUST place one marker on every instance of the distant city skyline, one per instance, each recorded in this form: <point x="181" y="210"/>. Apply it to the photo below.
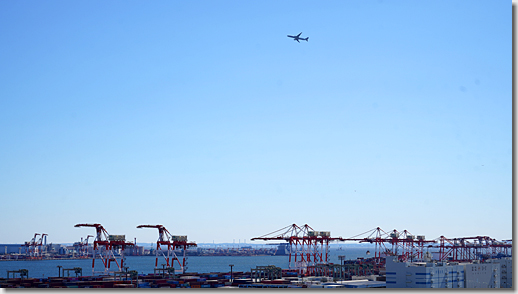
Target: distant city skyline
<point x="206" y="118"/>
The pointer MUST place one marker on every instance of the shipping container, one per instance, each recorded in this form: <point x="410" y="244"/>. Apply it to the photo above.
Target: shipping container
<point x="116" y="237"/>
<point x="124" y="286"/>
<point x="179" y="238"/>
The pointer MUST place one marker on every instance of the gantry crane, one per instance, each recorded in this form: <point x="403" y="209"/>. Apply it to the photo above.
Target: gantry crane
<point x="408" y="247"/>
<point x="82" y="247"/>
<point x="104" y="247"/>
<point x="34" y="248"/>
<point x="307" y="247"/>
<point x="40" y="245"/>
<point x="404" y="245"/>
<point x="30" y="247"/>
<point x="172" y="242"/>
<point x="470" y="248"/>
<point x="85" y="252"/>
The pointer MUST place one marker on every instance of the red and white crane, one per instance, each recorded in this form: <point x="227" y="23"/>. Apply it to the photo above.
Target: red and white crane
<point x="34" y="248"/>
<point x="307" y="247"/>
<point x="171" y="242"/>
<point x="40" y="246"/>
<point x="408" y="247"/>
<point x="404" y="245"/>
<point x="30" y="247"/>
<point x="105" y="246"/>
<point x="470" y="248"/>
<point x="82" y="247"/>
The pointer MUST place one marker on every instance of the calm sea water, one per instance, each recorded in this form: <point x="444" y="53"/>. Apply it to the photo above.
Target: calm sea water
<point x="146" y="264"/>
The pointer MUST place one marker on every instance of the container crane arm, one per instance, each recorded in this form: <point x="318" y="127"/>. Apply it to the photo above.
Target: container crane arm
<point x="98" y="227"/>
<point x="163" y="233"/>
<point x="149" y="226"/>
<point x="86" y="242"/>
<point x="41" y="239"/>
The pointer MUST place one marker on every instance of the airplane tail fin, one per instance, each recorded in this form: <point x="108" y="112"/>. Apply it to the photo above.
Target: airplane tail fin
<point x="307" y="39"/>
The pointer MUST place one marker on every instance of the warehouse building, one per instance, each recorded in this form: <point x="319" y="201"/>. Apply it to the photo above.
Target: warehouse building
<point x="493" y="273"/>
<point x="482" y="275"/>
<point x="506" y="271"/>
<point x="12" y="249"/>
<point x="424" y="274"/>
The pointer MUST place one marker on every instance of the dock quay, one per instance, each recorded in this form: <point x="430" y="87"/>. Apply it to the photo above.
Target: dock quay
<point x="189" y="280"/>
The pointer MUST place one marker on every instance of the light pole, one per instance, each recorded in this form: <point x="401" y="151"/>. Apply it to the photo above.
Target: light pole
<point x="341" y="257"/>
<point x="231" y="278"/>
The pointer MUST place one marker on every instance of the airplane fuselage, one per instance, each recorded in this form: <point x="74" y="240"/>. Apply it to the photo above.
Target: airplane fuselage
<point x="297" y="38"/>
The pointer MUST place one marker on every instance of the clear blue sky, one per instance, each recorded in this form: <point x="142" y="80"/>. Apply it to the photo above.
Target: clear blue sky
<point x="204" y="117"/>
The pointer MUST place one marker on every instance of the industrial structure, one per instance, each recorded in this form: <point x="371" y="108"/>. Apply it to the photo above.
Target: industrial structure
<point x="82" y="247"/>
<point x="401" y="260"/>
<point x="309" y="249"/>
<point x="34" y="248"/>
<point x="172" y="243"/>
<point x="408" y="247"/>
<point x="470" y="248"/>
<point x="105" y="246"/>
<point x="404" y="245"/>
<point x="306" y="247"/>
<point x="490" y="273"/>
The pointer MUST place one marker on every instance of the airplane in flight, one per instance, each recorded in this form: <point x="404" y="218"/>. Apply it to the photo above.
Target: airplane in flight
<point x="297" y="38"/>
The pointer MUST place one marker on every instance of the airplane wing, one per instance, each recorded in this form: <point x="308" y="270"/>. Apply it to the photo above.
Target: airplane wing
<point x="299" y="34"/>
<point x="297" y="40"/>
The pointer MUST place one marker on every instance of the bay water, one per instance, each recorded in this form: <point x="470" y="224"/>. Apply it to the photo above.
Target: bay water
<point x="146" y="264"/>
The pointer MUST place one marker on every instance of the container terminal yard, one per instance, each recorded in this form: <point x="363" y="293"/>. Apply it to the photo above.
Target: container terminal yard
<point x="400" y="260"/>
